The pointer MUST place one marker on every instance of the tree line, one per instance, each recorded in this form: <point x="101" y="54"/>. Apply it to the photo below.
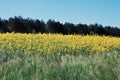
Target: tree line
<point x="19" y="24"/>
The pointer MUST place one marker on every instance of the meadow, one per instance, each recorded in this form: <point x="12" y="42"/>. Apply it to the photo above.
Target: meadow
<point x="59" y="57"/>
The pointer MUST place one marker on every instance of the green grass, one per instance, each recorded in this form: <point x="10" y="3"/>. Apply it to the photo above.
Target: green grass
<point x="92" y="66"/>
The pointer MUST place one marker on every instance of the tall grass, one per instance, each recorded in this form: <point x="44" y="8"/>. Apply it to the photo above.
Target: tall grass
<point x="99" y="66"/>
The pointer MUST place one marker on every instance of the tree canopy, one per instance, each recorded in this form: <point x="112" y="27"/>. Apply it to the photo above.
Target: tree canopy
<point x="19" y="24"/>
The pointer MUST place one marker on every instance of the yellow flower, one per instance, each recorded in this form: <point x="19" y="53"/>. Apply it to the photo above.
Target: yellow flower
<point x="57" y="43"/>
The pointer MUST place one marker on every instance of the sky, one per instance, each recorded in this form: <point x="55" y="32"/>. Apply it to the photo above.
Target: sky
<point x="105" y="12"/>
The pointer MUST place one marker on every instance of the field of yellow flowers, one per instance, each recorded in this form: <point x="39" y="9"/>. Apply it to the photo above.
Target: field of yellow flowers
<point x="56" y="43"/>
<point x="59" y="57"/>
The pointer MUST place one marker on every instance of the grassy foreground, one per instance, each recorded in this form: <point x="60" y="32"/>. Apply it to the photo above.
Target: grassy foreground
<point x="58" y="57"/>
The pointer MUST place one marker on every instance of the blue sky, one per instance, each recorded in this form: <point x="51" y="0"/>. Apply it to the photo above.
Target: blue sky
<point x="105" y="12"/>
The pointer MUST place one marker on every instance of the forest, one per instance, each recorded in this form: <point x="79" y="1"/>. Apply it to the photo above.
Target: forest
<point x="18" y="24"/>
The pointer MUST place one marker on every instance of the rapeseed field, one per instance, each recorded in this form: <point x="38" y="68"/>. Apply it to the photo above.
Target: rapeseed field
<point x="57" y="44"/>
